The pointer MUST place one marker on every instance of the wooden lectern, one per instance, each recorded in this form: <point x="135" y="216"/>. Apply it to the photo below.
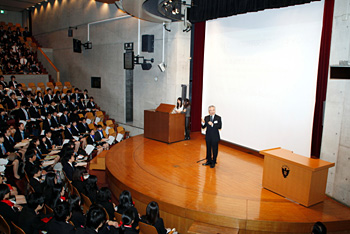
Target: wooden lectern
<point x="162" y="125"/>
<point x="296" y="177"/>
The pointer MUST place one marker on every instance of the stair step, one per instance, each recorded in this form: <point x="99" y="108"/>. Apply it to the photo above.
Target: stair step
<point x="99" y="162"/>
<point x="205" y="228"/>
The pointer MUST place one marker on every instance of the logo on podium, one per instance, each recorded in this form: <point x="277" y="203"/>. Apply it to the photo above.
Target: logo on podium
<point x="285" y="171"/>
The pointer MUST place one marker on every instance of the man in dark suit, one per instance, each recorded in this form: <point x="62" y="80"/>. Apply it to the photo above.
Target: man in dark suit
<point x="13" y="82"/>
<point x="83" y="127"/>
<point x="2" y="81"/>
<point x="20" y="133"/>
<point x="11" y="101"/>
<point x="64" y="119"/>
<point x="63" y="106"/>
<point x="212" y="123"/>
<point x="48" y="97"/>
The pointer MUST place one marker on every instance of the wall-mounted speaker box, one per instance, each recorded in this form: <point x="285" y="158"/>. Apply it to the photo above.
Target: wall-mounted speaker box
<point x="148" y="43"/>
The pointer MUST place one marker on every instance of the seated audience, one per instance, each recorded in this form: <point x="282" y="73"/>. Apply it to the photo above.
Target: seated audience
<point x="91" y="188"/>
<point x="104" y="197"/>
<point x="78" y="217"/>
<point x="59" y="224"/>
<point x="79" y="178"/>
<point x="152" y="217"/>
<point x="30" y="220"/>
<point x="8" y="210"/>
<point x="125" y="203"/>
<point x="128" y="222"/>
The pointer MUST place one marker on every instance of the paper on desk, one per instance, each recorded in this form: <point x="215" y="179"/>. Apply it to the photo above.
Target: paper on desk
<point x="3" y="161"/>
<point x="120" y="137"/>
<point x="42" y="117"/>
<point x="65" y="141"/>
<point x="76" y="138"/>
<point x="97" y="120"/>
<point x="111" y="140"/>
<point x="89" y="149"/>
<point x="2" y="168"/>
<point x="59" y="114"/>
<point x="32" y="119"/>
<point x="42" y="132"/>
<point x="21" y="144"/>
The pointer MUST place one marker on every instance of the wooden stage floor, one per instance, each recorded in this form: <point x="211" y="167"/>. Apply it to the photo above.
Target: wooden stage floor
<point x="230" y="195"/>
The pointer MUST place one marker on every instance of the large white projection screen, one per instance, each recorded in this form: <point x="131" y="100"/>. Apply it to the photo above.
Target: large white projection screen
<point x="260" y="71"/>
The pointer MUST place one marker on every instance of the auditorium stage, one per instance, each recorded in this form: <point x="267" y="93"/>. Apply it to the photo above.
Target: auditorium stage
<point x="230" y="195"/>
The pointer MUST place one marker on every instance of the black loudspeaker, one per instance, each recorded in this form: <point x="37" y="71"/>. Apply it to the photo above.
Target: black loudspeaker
<point x="148" y="43"/>
<point x="70" y="32"/>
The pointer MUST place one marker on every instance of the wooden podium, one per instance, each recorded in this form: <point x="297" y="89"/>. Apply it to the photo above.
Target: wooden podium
<point x="296" y="177"/>
<point x="162" y="125"/>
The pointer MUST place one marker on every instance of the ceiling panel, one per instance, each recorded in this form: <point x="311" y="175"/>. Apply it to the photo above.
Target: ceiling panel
<point x="17" y="5"/>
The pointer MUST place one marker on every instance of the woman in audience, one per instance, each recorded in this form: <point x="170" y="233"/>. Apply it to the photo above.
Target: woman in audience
<point x="68" y="163"/>
<point x="179" y="107"/>
<point x="60" y="223"/>
<point x="187" y="111"/>
<point x="125" y="203"/>
<point x="35" y="180"/>
<point x="57" y="97"/>
<point x="91" y="188"/>
<point x="13" y="190"/>
<point x="91" y="104"/>
<point x="30" y="219"/>
<point x="39" y="98"/>
<point x="80" y="176"/>
<point x="8" y="210"/>
<point x="78" y="217"/>
<point x="58" y="195"/>
<point x="152" y="217"/>
<point x="128" y="222"/>
<point x="104" y="197"/>
<point x="49" y="184"/>
<point x="44" y="146"/>
<point x="91" y="141"/>
<point x="96" y="222"/>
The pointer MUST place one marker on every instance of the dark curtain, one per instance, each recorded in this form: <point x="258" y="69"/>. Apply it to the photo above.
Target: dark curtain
<point x="197" y="75"/>
<point x="203" y="10"/>
<point x="322" y="78"/>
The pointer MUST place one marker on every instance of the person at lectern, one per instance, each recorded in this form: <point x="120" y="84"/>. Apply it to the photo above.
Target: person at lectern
<point x="187" y="112"/>
<point x="179" y="107"/>
<point x="212" y="123"/>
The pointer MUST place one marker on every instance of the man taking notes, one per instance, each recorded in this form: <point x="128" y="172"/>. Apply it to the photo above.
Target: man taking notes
<point x="213" y="123"/>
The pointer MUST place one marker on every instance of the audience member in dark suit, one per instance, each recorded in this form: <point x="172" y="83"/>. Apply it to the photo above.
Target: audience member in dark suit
<point x="34" y="110"/>
<point x="39" y="98"/>
<point x="13" y="82"/>
<point x="91" y="188"/>
<point x="3" y="120"/>
<point x="96" y="222"/>
<point x="152" y="217"/>
<point x="2" y="81"/>
<point x="67" y="97"/>
<point x="48" y="97"/>
<point x="68" y="132"/>
<point x="45" y="110"/>
<point x="8" y="210"/>
<point x="30" y="220"/>
<point x="74" y="116"/>
<point x="12" y="101"/>
<point x="83" y="126"/>
<point x="34" y="180"/>
<point x="91" y="104"/>
<point x="76" y="94"/>
<point x="72" y="106"/>
<point x="212" y="123"/>
<point x="47" y="125"/>
<point x="9" y="142"/>
<point x="20" y="133"/>
<point x="23" y="113"/>
<point x="55" y="120"/>
<point x="53" y="107"/>
<point x="79" y="178"/>
<point x="44" y="147"/>
<point x="104" y="197"/>
<point x="82" y="106"/>
<point x="31" y="162"/>
<point x="64" y="119"/>
<point x="57" y="97"/>
<point x="59" y="224"/>
<point x="63" y="106"/>
<point x="19" y="92"/>
<point x="28" y="100"/>
<point x="68" y="164"/>
<point x="78" y="218"/>
<point x="85" y="95"/>
<point x="49" y="141"/>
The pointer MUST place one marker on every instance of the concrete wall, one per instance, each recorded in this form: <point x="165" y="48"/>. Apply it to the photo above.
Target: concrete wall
<point x="336" y="131"/>
<point x="105" y="59"/>
<point x="11" y="16"/>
